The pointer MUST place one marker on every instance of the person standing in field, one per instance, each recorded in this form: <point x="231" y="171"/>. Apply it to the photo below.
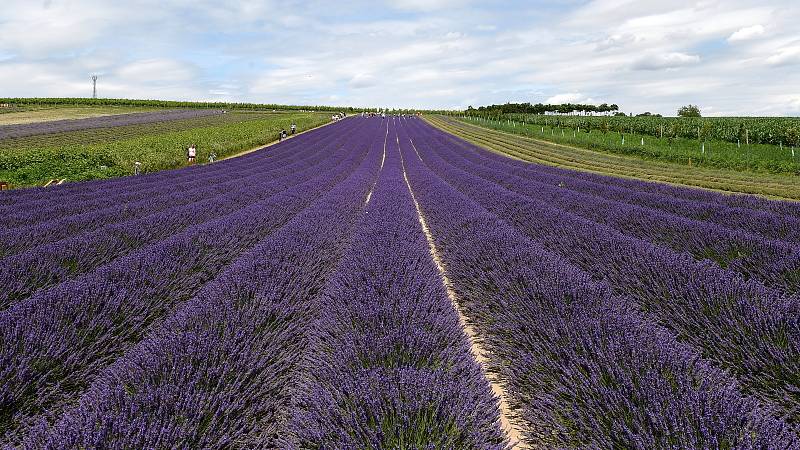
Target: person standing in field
<point x="191" y="153"/>
<point x="294" y="127"/>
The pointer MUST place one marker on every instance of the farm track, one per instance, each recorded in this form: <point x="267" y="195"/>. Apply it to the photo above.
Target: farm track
<point x="531" y="150"/>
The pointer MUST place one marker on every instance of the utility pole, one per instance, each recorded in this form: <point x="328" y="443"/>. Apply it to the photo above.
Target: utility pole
<point x="94" y="86"/>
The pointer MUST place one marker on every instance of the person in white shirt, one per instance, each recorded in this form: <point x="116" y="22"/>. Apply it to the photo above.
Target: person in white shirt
<point x="191" y="153"/>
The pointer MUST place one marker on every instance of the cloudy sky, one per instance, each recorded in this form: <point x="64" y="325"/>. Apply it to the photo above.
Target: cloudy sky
<point x="730" y="57"/>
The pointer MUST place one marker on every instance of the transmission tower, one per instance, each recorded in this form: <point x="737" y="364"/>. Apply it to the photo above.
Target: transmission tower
<point x="94" y="86"/>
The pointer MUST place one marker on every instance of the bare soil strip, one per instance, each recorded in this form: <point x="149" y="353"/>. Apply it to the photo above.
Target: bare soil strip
<point x="383" y="159"/>
<point x="511" y="430"/>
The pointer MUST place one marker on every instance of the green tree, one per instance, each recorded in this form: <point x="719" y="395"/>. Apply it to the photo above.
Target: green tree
<point x="689" y="111"/>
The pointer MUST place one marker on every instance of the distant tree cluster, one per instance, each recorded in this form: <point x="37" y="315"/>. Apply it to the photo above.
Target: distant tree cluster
<point x="689" y="111"/>
<point x="539" y="108"/>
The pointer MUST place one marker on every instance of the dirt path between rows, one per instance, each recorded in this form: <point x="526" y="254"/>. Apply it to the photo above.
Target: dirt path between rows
<point x="270" y="144"/>
<point x="512" y="431"/>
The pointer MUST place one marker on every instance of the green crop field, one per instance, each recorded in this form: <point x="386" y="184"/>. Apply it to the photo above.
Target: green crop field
<point x="112" y="152"/>
<point x="745" y="130"/>
<point x="669" y="139"/>
<point x="584" y="153"/>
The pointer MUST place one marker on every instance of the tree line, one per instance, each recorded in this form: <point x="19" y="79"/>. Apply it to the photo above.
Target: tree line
<point x="540" y="108"/>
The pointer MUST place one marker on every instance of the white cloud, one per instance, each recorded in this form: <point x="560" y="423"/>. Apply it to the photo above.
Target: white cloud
<point x="746" y="33"/>
<point x="794" y="103"/>
<point x="425" y="5"/>
<point x="38" y="29"/>
<point x="785" y="56"/>
<point x="665" y="61"/>
<point x="569" y="97"/>
<point x="362" y="80"/>
<point x="159" y="70"/>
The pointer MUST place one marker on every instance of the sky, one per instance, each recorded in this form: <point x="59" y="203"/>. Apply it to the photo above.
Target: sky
<point x="730" y="57"/>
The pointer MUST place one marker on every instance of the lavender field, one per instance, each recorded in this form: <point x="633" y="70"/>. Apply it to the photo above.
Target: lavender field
<point x="379" y="283"/>
<point x="116" y="120"/>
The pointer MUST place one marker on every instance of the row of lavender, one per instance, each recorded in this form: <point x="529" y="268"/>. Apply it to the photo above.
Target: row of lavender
<point x="603" y="339"/>
<point x="56" y="340"/>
